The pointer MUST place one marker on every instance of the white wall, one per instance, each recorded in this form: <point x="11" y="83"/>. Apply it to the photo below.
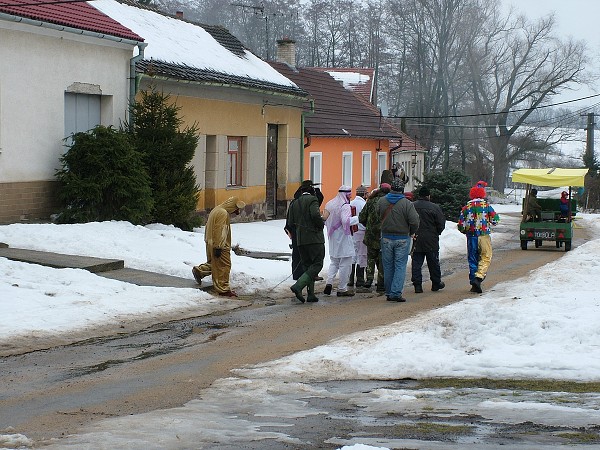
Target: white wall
<point x="37" y="66"/>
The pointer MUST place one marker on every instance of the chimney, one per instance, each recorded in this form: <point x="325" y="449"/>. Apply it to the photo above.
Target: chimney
<point x="179" y="14"/>
<point x="286" y="51"/>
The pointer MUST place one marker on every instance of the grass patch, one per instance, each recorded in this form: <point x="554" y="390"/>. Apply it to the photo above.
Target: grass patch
<point x="580" y="437"/>
<point x="429" y="429"/>
<point x="523" y="385"/>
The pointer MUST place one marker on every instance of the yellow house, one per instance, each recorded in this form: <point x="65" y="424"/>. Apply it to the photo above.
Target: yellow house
<point x="249" y="116"/>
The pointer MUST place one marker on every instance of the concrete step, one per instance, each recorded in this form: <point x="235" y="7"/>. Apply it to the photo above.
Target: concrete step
<point x="107" y="268"/>
<point x="144" y="278"/>
<point x="61" y="261"/>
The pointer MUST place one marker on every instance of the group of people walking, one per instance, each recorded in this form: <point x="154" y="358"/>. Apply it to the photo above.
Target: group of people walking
<point x="371" y="236"/>
<point x="370" y="239"/>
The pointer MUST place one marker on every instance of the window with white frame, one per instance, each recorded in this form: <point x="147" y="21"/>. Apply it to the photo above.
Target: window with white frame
<point x="234" y="160"/>
<point x="347" y="168"/>
<point x="366" y="168"/>
<point x="381" y="164"/>
<point x="314" y="172"/>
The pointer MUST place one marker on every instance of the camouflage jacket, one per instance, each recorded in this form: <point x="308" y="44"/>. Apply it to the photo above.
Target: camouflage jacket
<point x="369" y="217"/>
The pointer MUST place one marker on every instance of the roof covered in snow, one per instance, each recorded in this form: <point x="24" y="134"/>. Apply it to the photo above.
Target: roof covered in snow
<point x="194" y="52"/>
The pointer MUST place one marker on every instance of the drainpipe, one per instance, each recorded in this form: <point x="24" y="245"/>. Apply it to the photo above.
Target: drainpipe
<point x="133" y="80"/>
<point x="304" y="114"/>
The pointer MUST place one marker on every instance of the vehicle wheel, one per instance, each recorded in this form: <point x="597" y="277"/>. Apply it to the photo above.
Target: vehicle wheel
<point x="538" y="243"/>
<point x="567" y="246"/>
<point x="523" y="245"/>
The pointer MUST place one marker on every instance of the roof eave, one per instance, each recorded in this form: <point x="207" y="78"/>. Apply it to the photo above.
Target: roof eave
<point x="280" y="93"/>
<point x="57" y="27"/>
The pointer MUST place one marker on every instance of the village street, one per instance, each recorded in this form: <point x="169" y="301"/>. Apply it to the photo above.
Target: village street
<point x="60" y="391"/>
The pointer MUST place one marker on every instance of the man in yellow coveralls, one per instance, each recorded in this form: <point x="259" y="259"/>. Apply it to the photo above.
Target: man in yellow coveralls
<point x="217" y="236"/>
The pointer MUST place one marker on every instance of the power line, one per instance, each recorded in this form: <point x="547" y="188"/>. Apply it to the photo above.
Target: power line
<point x="453" y="116"/>
<point x="497" y="113"/>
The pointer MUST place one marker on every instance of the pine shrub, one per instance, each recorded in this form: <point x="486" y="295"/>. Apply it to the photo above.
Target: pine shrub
<point x="167" y="152"/>
<point x="103" y="177"/>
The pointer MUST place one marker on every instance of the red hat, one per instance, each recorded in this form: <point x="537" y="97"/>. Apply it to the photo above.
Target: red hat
<point x="478" y="191"/>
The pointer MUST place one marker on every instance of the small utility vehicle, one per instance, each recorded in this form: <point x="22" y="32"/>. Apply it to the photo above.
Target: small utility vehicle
<point x="551" y="224"/>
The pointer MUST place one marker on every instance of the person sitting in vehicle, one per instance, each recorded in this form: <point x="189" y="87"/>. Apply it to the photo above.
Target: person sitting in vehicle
<point x="564" y="205"/>
<point x="534" y="210"/>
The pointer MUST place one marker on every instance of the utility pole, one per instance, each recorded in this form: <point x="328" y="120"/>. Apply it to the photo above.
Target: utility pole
<point x="589" y="158"/>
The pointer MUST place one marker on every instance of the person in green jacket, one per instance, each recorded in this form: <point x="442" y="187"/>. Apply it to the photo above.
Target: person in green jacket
<point x="369" y="217"/>
<point x="304" y="216"/>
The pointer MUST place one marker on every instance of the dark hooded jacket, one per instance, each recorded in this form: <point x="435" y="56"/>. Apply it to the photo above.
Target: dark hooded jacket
<point x="304" y="217"/>
<point x="431" y="226"/>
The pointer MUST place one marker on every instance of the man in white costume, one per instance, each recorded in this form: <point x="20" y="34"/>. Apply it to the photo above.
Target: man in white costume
<point x="360" y="249"/>
<point x="338" y="220"/>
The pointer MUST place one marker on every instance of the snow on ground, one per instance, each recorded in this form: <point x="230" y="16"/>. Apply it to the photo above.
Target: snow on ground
<point x="543" y="325"/>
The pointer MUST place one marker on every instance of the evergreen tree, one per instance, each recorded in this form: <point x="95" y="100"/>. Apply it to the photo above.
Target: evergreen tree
<point x="167" y="152"/>
<point x="103" y="177"/>
<point x="450" y="190"/>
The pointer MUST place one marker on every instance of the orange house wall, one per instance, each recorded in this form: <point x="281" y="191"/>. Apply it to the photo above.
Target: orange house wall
<point x="332" y="150"/>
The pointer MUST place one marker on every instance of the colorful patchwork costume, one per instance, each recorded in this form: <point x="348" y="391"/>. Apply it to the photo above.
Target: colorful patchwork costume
<point x="474" y="221"/>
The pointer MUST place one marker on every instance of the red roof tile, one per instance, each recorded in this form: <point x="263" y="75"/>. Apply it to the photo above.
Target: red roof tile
<point x="364" y="87"/>
<point x="338" y="111"/>
<point x="75" y="14"/>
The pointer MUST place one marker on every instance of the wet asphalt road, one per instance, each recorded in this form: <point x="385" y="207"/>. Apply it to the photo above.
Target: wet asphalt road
<point x="52" y="393"/>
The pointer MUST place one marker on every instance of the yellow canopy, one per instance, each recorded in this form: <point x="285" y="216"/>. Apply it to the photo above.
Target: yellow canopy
<point x="550" y="177"/>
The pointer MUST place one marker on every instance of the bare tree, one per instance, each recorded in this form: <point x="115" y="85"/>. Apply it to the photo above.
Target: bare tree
<point x="431" y="36"/>
<point x="517" y="66"/>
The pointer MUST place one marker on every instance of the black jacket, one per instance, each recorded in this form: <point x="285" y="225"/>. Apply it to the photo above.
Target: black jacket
<point x="431" y="226"/>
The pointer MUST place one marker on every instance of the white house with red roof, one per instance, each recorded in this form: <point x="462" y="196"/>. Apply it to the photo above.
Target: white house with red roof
<point x="74" y="65"/>
<point x="65" y="68"/>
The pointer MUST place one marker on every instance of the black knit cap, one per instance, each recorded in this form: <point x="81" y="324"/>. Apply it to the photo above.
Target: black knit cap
<point x="397" y="185"/>
<point x="424" y="191"/>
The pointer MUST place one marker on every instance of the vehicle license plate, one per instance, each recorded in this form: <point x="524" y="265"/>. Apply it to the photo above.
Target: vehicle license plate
<point x="545" y="234"/>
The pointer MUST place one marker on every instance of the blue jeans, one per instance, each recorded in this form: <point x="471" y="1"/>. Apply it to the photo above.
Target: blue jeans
<point x="472" y="255"/>
<point x="394" y="255"/>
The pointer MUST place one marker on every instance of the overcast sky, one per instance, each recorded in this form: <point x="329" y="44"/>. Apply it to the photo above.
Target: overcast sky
<point x="575" y="18"/>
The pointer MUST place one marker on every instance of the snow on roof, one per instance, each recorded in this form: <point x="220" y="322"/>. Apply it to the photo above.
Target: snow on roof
<point x="349" y="79"/>
<point x="176" y="41"/>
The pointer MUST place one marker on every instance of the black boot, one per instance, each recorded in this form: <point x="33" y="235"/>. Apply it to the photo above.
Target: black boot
<point x="418" y="288"/>
<point x="438" y="286"/>
<point x="327" y="290"/>
<point x="351" y="282"/>
<point x="476" y="285"/>
<point x="360" y="276"/>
